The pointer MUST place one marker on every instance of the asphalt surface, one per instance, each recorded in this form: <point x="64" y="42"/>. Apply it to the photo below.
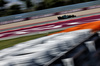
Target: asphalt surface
<point x="48" y="27"/>
<point x="46" y="22"/>
<point x="46" y="19"/>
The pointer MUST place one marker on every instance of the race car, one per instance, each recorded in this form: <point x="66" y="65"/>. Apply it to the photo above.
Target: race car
<point x="65" y="17"/>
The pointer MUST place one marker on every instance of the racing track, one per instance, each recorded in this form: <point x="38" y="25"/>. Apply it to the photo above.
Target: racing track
<point x="46" y="19"/>
<point x="52" y="26"/>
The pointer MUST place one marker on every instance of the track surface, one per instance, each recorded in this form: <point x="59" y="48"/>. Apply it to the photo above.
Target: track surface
<point x="41" y="20"/>
<point x="51" y="26"/>
<point x="30" y="25"/>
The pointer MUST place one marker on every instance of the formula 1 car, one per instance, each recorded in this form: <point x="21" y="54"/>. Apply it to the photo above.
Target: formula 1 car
<point x="65" y="17"/>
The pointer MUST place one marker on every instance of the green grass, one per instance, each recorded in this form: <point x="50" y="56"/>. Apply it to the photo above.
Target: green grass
<point x="11" y="42"/>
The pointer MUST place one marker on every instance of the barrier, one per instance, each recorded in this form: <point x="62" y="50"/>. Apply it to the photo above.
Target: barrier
<point x="43" y="52"/>
<point x="13" y="21"/>
<point x="80" y="55"/>
<point x="92" y="7"/>
<point x="50" y="48"/>
<point x="46" y="15"/>
<point x="70" y="11"/>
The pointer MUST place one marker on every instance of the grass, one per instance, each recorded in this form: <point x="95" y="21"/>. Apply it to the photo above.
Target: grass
<point x="11" y="42"/>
